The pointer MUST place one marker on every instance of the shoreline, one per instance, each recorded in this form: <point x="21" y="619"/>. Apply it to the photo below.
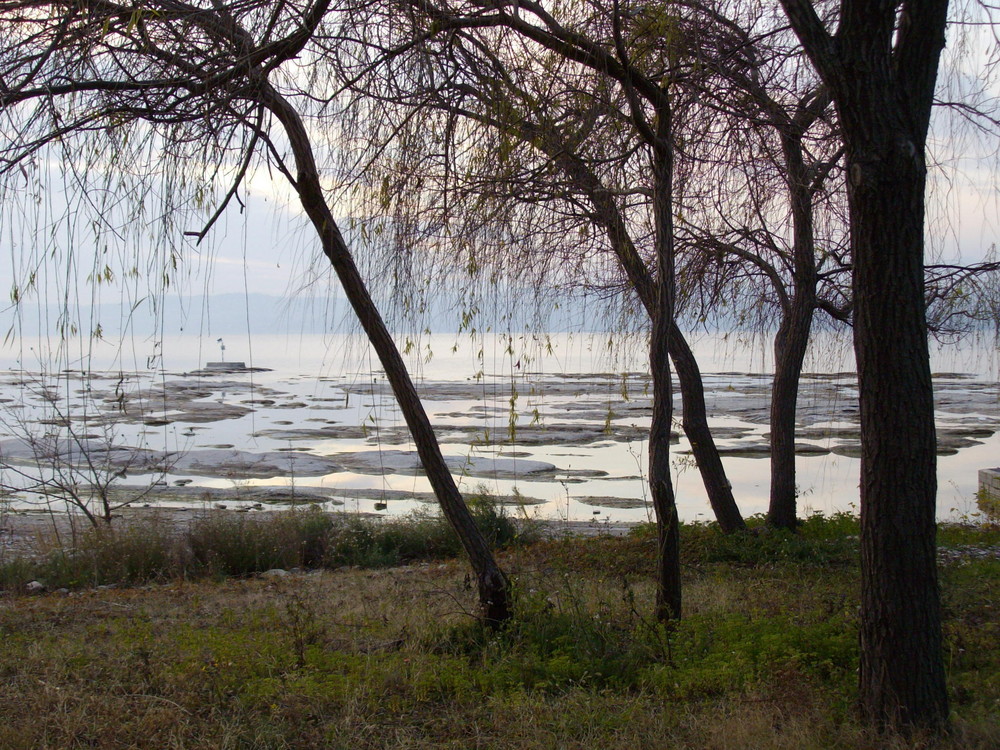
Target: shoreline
<point x="28" y="533"/>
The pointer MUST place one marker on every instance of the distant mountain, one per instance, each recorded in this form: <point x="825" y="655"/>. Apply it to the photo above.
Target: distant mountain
<point x="216" y="314"/>
<point x="262" y="314"/>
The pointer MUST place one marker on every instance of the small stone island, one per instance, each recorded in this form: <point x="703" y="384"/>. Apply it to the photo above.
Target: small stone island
<point x="216" y="368"/>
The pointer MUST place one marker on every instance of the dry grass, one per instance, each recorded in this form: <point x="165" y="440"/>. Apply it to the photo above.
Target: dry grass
<point x="393" y="658"/>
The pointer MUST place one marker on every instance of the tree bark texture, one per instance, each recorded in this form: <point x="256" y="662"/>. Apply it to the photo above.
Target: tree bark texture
<point x="668" y="579"/>
<point x="881" y="68"/>
<point x="902" y="674"/>
<point x="792" y="339"/>
<point x="493" y="586"/>
<point x="695" y="421"/>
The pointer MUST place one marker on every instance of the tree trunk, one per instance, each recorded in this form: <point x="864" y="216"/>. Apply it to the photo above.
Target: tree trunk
<point x="695" y="421"/>
<point x="494" y="589"/>
<point x="668" y="578"/>
<point x="881" y="67"/>
<point x="668" y="567"/>
<point x="789" y="350"/>
<point x="902" y="675"/>
<point x="792" y="339"/>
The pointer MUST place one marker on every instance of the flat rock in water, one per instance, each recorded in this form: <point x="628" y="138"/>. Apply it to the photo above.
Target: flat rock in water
<point x="69" y="452"/>
<point x="827" y="433"/>
<point x="763" y="450"/>
<point x="752" y="450"/>
<point x="581" y="474"/>
<point x="623" y="503"/>
<point x="206" y="413"/>
<point x="808" y="449"/>
<point x="971" y="431"/>
<point x="510" y="501"/>
<point x="408" y="462"/>
<point x="947" y="445"/>
<point x="334" y="432"/>
<point x="849" y="450"/>
<point x="289" y="495"/>
<point x="577" y="434"/>
<point x="279" y="494"/>
<point x="236" y="464"/>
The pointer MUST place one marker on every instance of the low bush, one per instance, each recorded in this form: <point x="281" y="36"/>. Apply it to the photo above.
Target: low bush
<point x="379" y="542"/>
<point x="495" y="523"/>
<point x="989" y="506"/>
<point x="239" y="544"/>
<point x="130" y="554"/>
<point x="818" y="539"/>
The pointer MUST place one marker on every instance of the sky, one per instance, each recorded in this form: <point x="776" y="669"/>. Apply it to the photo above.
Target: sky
<point x="263" y="265"/>
<point x="266" y="247"/>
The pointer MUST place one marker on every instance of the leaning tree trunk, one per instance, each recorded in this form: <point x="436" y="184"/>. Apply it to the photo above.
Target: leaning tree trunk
<point x="494" y="590"/>
<point x="695" y="417"/>
<point x="901" y="673"/>
<point x="668" y="569"/>
<point x="792" y="339"/>
<point x="695" y="422"/>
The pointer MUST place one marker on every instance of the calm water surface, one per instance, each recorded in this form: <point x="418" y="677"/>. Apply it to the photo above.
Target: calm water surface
<point x="505" y="406"/>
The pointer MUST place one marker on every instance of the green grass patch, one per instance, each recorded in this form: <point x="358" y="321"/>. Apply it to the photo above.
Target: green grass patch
<point x="766" y="656"/>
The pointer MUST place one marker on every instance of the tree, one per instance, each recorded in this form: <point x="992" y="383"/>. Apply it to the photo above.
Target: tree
<point x="458" y="81"/>
<point x="50" y="456"/>
<point x="880" y="65"/>
<point x="575" y="159"/>
<point x="204" y="74"/>
<point x="467" y="78"/>
<point x="770" y="172"/>
<point x="778" y="141"/>
<point x="570" y="113"/>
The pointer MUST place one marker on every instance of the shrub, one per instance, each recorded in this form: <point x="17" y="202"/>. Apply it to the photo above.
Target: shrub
<point x="819" y="539"/>
<point x="495" y="523"/>
<point x="989" y="505"/>
<point x="375" y="542"/>
<point x="353" y="540"/>
<point x="240" y="544"/>
<point x="137" y="552"/>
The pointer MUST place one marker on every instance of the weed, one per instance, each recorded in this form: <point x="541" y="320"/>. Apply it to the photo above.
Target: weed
<point x="989" y="505"/>
<point x="766" y="656"/>
<point x="238" y="544"/>
<point x="821" y="540"/>
<point x="132" y="554"/>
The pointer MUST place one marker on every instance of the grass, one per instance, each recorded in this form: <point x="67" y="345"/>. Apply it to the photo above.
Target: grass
<point x="766" y="656"/>
<point x="236" y="544"/>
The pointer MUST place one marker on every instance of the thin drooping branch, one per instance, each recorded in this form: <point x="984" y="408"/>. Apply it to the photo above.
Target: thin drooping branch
<point x="199" y="76"/>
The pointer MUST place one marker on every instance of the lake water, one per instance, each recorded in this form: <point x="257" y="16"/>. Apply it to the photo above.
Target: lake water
<point x="559" y="420"/>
